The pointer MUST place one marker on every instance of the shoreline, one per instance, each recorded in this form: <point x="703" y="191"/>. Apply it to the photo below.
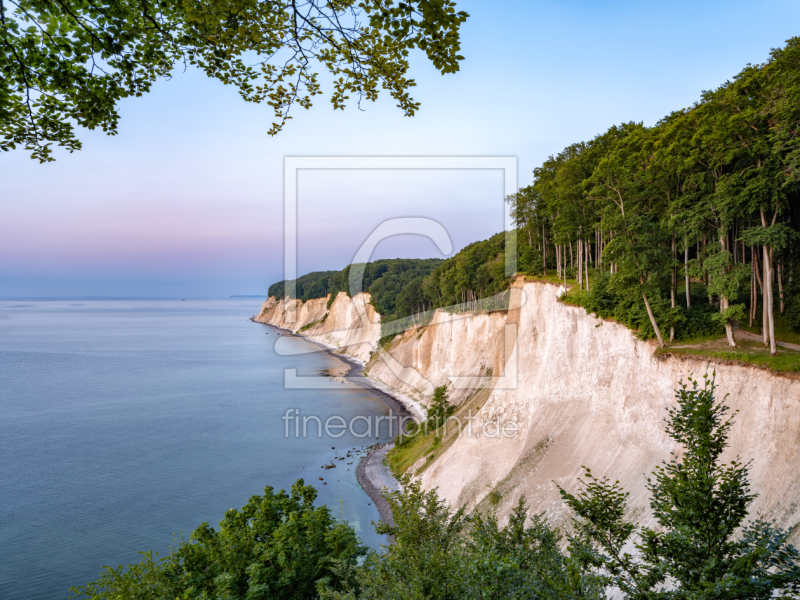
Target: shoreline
<point x="371" y="473"/>
<point x="374" y="477"/>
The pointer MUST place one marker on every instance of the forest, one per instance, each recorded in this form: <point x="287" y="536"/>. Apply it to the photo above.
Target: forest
<point x="683" y="230"/>
<point x="390" y="282"/>
<point x="701" y="208"/>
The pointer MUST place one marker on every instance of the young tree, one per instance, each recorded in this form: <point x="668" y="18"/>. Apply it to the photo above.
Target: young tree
<point x="702" y="549"/>
<point x="69" y="62"/>
<point x="438" y="553"/>
<point x="440" y="409"/>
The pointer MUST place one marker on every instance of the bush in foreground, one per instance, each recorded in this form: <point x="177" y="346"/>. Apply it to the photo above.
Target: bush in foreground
<point x="441" y="554"/>
<point x="278" y="546"/>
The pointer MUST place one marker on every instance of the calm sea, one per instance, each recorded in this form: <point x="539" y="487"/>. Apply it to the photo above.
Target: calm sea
<point x="125" y="422"/>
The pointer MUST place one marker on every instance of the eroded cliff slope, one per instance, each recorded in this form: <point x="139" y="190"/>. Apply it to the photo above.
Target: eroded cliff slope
<point x="351" y="325"/>
<point x="581" y="391"/>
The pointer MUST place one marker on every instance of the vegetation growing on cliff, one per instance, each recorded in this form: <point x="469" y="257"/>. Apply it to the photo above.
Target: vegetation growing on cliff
<point x="443" y="554"/>
<point x="703" y="548"/>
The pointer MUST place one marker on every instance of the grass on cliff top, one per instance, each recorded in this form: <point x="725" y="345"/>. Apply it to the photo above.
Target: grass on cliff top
<point x="549" y="277"/>
<point x="748" y="353"/>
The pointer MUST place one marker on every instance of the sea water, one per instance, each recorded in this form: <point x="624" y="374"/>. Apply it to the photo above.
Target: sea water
<point x="124" y="422"/>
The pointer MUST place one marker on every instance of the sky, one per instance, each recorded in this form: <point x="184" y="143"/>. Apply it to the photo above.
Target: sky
<point x="187" y="201"/>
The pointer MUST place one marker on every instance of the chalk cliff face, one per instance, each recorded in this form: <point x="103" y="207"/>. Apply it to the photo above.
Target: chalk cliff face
<point x="342" y="327"/>
<point x="581" y="391"/>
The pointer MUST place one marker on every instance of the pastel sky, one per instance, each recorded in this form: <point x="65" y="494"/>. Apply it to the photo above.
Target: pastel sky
<point x="187" y="200"/>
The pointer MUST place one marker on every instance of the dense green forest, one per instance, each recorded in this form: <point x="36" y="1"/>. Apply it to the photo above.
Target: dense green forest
<point x="407" y="288"/>
<point x="709" y="194"/>
<point x="392" y="283"/>
<point x="681" y="230"/>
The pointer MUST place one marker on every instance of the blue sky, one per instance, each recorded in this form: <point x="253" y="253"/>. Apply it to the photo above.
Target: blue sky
<point x="187" y="200"/>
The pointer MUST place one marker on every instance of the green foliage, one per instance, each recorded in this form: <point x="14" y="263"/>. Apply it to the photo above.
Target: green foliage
<point x="396" y="285"/>
<point x="439" y="553"/>
<point x="700" y="193"/>
<point x="408" y="449"/>
<point x="282" y="546"/>
<point x="793" y="306"/>
<point x="477" y="271"/>
<point x="69" y="63"/>
<point x="439" y="409"/>
<point x="714" y="183"/>
<point x="700" y="504"/>
<point x="308" y="326"/>
<point x="609" y="299"/>
<point x="278" y="545"/>
<point x="390" y="282"/>
<point x="309" y="286"/>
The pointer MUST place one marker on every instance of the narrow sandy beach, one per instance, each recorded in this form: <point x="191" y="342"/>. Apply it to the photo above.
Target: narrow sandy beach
<point x="374" y="477"/>
<point x="372" y="473"/>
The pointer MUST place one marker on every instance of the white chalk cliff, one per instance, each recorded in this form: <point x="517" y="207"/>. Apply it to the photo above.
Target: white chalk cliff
<point x="582" y="391"/>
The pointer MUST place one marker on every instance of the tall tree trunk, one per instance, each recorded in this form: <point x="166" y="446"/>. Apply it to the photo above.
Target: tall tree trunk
<point x="580" y="265"/>
<point x="780" y="284"/>
<point x="723" y="305"/>
<point x="686" y="275"/>
<point x="673" y="285"/>
<point x="558" y="261"/>
<point x="764" y="309"/>
<point x="769" y="330"/>
<point x="586" y="270"/>
<point x="753" y="290"/>
<point x="768" y="299"/>
<point x="724" y="302"/>
<point x="571" y="262"/>
<point x="653" y="320"/>
<point x="558" y="271"/>
<point x="544" y="252"/>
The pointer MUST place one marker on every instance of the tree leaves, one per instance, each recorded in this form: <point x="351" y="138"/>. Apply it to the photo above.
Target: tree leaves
<point x="700" y="504"/>
<point x="277" y="546"/>
<point x="68" y="63"/>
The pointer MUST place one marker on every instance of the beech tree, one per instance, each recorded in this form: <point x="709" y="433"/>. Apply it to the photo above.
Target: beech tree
<point x="622" y="185"/>
<point x="68" y="63"/>
<point x="278" y="546"/>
